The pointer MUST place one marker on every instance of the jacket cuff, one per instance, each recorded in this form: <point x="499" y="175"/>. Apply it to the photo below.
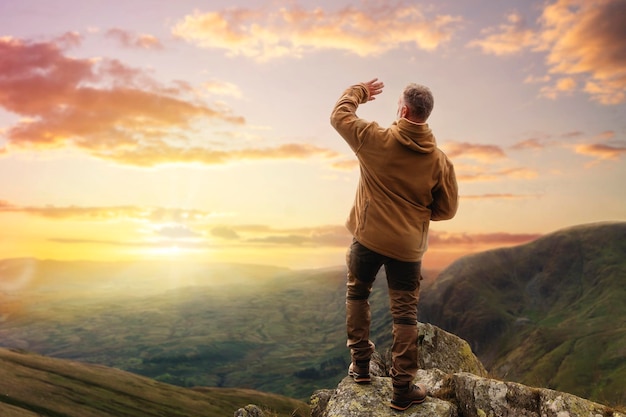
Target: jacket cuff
<point x="366" y="94"/>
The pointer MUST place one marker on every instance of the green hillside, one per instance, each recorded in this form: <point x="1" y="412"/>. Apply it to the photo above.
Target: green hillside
<point x="241" y="326"/>
<point x="33" y="385"/>
<point x="549" y="313"/>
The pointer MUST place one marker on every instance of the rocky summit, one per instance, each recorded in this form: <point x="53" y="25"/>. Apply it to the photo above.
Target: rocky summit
<point x="458" y="387"/>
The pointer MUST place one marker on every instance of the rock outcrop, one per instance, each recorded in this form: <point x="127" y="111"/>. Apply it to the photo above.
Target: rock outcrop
<point x="458" y="387"/>
<point x="249" y="410"/>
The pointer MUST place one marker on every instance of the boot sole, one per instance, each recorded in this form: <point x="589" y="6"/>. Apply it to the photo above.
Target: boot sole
<point x="404" y="406"/>
<point x="359" y="379"/>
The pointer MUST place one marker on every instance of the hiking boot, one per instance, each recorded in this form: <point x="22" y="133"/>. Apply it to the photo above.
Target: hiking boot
<point x="407" y="394"/>
<point x="360" y="372"/>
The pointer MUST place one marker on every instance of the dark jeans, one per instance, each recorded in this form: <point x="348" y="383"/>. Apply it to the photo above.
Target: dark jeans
<point x="403" y="279"/>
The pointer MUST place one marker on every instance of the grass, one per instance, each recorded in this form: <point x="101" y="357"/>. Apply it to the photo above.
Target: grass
<point x="60" y="388"/>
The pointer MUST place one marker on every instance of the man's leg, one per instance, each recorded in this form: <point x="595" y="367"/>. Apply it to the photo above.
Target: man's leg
<point x="403" y="280"/>
<point x="363" y="265"/>
<point x="404" y="348"/>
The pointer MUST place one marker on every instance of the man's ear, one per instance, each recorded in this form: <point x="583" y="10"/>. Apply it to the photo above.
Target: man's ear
<point x="404" y="111"/>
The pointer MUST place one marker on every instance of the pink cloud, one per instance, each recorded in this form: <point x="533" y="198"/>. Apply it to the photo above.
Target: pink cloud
<point x="133" y="40"/>
<point x="112" y="111"/>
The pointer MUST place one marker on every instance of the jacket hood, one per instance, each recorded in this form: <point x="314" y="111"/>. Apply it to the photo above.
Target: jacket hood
<point x="417" y="137"/>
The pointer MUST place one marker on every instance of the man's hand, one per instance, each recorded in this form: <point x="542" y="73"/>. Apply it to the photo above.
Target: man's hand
<point x="374" y="87"/>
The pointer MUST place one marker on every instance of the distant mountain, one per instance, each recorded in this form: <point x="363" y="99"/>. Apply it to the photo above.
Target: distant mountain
<point x="222" y="325"/>
<point x="33" y="385"/>
<point x="548" y="313"/>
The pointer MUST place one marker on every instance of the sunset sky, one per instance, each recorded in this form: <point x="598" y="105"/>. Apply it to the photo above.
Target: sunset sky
<point x="199" y="130"/>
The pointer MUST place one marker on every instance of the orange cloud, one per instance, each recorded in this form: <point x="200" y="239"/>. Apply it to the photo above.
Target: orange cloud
<point x="587" y="38"/>
<point x="229" y="236"/>
<point x="153" y="214"/>
<point x="499" y="196"/>
<point x="162" y="153"/>
<point x="263" y="34"/>
<point x="473" y="151"/>
<point x="602" y="151"/>
<point x="328" y="236"/>
<point x="560" y="87"/>
<point x="506" y="39"/>
<point x="532" y="143"/>
<point x="346" y="164"/>
<point x="478" y="173"/>
<point x="479" y="239"/>
<point x="132" y="40"/>
<point x="584" y="44"/>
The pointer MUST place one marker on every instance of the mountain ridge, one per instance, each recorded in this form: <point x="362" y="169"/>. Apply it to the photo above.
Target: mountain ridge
<point x="546" y="313"/>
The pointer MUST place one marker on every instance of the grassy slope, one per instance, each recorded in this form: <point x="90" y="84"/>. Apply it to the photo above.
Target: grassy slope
<point x="33" y="385"/>
<point x="549" y="313"/>
<point x="283" y="332"/>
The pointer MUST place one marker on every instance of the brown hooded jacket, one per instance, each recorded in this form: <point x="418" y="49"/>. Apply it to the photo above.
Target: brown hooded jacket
<point x="405" y="180"/>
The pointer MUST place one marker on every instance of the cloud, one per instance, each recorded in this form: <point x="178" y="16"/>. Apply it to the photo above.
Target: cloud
<point x="105" y="213"/>
<point x="223" y="88"/>
<point x="602" y="151"/>
<point x="345" y="164"/>
<point x="141" y="244"/>
<point x="532" y="143"/>
<point x="97" y="105"/>
<point x="479" y="173"/>
<point x="499" y="196"/>
<point x="224" y="232"/>
<point x="506" y="39"/>
<point x="602" y="146"/>
<point x="478" y="239"/>
<point x="562" y="86"/>
<point x="584" y="43"/>
<point x="193" y="229"/>
<point x="69" y="40"/>
<point x="474" y="151"/>
<point x="131" y="40"/>
<point x="292" y="31"/>
<point x="332" y="235"/>
<point x="177" y="223"/>
<point x="163" y="153"/>
<point x="114" y="112"/>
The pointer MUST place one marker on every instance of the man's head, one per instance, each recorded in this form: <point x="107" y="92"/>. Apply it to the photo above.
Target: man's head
<point x="416" y="103"/>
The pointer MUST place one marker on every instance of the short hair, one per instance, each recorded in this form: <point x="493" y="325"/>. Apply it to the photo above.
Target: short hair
<point x="419" y="99"/>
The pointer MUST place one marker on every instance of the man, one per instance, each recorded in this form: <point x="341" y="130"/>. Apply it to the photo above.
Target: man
<point x="405" y="182"/>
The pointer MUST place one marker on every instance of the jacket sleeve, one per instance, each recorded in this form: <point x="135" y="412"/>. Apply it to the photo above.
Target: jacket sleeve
<point x="344" y="119"/>
<point x="446" y="194"/>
